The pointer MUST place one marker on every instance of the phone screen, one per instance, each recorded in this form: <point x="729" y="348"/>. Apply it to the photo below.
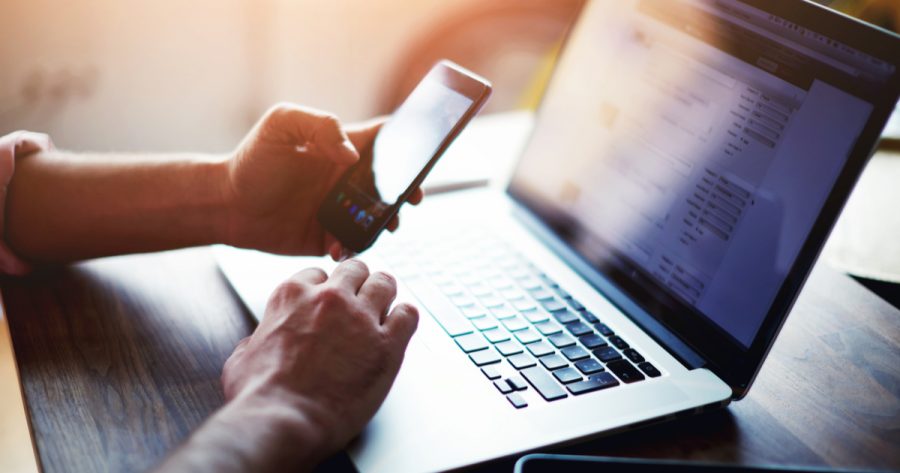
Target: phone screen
<point x="403" y="147"/>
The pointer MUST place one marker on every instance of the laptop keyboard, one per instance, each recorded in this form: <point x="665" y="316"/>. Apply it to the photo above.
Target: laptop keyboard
<point x="515" y="323"/>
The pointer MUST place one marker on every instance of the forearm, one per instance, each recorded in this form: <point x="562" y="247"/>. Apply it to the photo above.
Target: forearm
<point x="250" y="434"/>
<point x="62" y="207"/>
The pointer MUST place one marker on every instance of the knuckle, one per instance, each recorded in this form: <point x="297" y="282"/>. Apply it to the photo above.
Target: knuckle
<point x="331" y="297"/>
<point x="290" y="289"/>
<point x="330" y="120"/>
<point x="279" y="110"/>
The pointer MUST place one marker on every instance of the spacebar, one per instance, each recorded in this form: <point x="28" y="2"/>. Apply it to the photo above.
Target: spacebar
<point x="440" y="308"/>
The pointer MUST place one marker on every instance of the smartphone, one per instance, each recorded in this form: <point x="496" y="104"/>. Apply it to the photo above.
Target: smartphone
<point x="547" y="463"/>
<point x="369" y="194"/>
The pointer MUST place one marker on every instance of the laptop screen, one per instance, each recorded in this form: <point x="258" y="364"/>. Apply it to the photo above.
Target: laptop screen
<point x="685" y="149"/>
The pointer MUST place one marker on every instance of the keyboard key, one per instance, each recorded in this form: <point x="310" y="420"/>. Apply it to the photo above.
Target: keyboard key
<point x="503" y="386"/>
<point x="547" y="279"/>
<point x="501" y="282"/>
<point x="518" y="273"/>
<point x="485" y="357"/>
<point x="474" y="312"/>
<point x="575" y="304"/>
<point x="552" y="362"/>
<point x="548" y="328"/>
<point x="562" y="292"/>
<point x="504" y="311"/>
<point x="574" y="353"/>
<point x="528" y="282"/>
<point x="579" y="328"/>
<point x="492" y="301"/>
<point x="561" y="340"/>
<point x="540" y="348"/>
<point x="540" y="294"/>
<point x="521" y="361"/>
<point x="516" y="400"/>
<point x="649" y="369"/>
<point x="617" y="342"/>
<point x="491" y="371"/>
<point x="517" y="383"/>
<point x="515" y="295"/>
<point x="604" y="330"/>
<point x="543" y="383"/>
<point x="527" y="336"/>
<point x="468" y="279"/>
<point x="524" y="304"/>
<point x="565" y="317"/>
<point x="607" y="354"/>
<point x="440" y="308"/>
<point x="485" y="323"/>
<point x="496" y="335"/>
<point x="589" y="366"/>
<point x="514" y="324"/>
<point x="508" y="348"/>
<point x="553" y="305"/>
<point x="536" y="316"/>
<point x="481" y="290"/>
<point x="471" y="342"/>
<point x="567" y="375"/>
<point x="592" y="341"/>
<point x="593" y="383"/>
<point x="633" y="355"/>
<point x="625" y="371"/>
<point x="462" y="300"/>
<point x="590" y="317"/>
<point x="451" y="289"/>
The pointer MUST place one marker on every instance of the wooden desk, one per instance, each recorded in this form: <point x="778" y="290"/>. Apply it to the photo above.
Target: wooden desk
<point x="120" y="361"/>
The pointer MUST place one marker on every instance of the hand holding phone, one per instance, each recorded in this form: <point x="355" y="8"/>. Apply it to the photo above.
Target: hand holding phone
<point x="370" y="193"/>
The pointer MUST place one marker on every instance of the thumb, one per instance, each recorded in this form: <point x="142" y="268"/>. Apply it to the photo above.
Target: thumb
<point x="329" y="138"/>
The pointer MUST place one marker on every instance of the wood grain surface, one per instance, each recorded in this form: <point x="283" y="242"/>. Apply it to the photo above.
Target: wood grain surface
<point x="120" y="359"/>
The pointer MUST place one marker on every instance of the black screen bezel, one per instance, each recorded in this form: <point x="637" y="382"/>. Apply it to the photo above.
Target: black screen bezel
<point x="341" y="225"/>
<point x="725" y="357"/>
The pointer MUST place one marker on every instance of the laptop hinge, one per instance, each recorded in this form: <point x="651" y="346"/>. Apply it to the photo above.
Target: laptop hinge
<point x="665" y="337"/>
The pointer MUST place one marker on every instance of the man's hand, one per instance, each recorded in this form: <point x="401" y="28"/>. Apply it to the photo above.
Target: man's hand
<point x="309" y="378"/>
<point x="326" y="347"/>
<point x="280" y="175"/>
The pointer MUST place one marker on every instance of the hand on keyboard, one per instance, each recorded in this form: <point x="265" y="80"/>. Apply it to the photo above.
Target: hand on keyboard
<point x="327" y="349"/>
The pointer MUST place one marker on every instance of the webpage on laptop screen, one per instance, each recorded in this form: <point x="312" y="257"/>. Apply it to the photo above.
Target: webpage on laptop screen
<point x="697" y="142"/>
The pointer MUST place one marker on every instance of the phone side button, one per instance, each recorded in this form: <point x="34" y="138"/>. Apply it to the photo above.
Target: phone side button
<point x="441" y="309"/>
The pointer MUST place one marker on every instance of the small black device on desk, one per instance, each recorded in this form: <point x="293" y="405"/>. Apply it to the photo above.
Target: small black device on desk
<point x="371" y="192"/>
<point x="545" y="463"/>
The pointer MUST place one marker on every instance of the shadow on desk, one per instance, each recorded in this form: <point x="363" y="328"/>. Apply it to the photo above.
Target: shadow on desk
<point x="120" y="358"/>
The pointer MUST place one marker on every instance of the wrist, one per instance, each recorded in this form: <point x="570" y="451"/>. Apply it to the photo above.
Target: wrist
<point x="252" y="433"/>
<point x="219" y="183"/>
<point x="300" y="434"/>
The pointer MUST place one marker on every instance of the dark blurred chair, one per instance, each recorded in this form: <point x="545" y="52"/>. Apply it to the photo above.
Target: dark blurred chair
<point x="513" y="43"/>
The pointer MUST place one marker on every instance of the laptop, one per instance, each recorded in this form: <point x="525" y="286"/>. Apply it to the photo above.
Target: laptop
<point x="685" y="167"/>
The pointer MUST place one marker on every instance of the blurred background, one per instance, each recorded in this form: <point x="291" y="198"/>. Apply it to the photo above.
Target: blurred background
<point x="193" y="75"/>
